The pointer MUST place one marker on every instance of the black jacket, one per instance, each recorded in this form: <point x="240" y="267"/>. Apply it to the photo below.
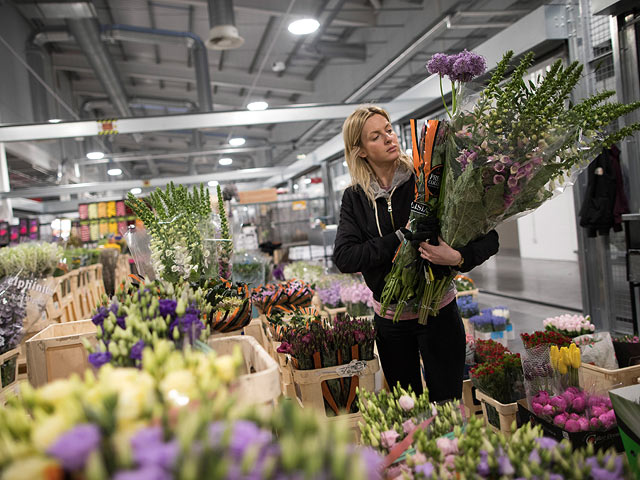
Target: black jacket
<point x="360" y="248"/>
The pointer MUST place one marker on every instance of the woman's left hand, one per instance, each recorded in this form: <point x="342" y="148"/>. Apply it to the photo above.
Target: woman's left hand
<point x="441" y="254"/>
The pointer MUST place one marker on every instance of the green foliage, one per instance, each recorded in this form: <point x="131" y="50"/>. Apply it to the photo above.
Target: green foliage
<point x="30" y="259"/>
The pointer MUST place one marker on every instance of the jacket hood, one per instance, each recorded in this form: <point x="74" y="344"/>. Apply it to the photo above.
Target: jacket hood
<point x="401" y="175"/>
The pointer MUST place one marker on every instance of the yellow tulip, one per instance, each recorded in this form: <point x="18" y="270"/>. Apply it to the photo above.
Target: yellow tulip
<point x="562" y="368"/>
<point x="554" y="355"/>
<point x="575" y="356"/>
<point x="566" y="358"/>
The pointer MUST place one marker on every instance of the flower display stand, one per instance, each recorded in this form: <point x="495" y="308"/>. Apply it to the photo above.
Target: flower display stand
<point x="259" y="381"/>
<point x="498" y="416"/>
<point x="602" y="380"/>
<point x="499" y="337"/>
<point x="58" y="351"/>
<point x="8" y="372"/>
<point x="334" y="312"/>
<point x="469" y="399"/>
<point x="62" y="307"/>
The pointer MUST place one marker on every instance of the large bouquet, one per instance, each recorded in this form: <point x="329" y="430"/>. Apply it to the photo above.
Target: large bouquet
<point x="521" y="143"/>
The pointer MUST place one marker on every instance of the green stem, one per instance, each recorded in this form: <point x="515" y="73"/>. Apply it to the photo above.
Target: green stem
<point x="454" y="99"/>
<point x="442" y="96"/>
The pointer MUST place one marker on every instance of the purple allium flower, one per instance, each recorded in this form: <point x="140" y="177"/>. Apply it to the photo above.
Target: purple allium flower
<point x="167" y="307"/>
<point x="425" y="469"/>
<point x="72" y="448"/>
<point x="466" y="66"/>
<point x="442" y="64"/>
<point x="136" y="350"/>
<point x="98" y="359"/>
<point x="150" y="472"/>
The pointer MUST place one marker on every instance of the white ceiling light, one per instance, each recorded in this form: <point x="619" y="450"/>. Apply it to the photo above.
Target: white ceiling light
<point x="304" y="26"/>
<point x="213" y="183"/>
<point x="237" y="141"/>
<point x="136" y="190"/>
<point x="345" y="163"/>
<point x="255" y="106"/>
<point x="225" y="161"/>
<point x="295" y="186"/>
<point x="114" y="172"/>
<point x="301" y="156"/>
<point x="95" y="155"/>
<point x="55" y="120"/>
<point x="306" y="181"/>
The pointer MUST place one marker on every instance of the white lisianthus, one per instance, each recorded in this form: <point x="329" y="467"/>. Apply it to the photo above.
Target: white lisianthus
<point x="33" y="468"/>
<point x="47" y="430"/>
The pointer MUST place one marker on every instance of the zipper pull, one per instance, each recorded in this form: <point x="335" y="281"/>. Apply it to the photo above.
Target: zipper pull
<point x="389" y="209"/>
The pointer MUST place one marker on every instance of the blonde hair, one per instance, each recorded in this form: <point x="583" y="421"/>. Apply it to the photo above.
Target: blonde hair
<point x="359" y="167"/>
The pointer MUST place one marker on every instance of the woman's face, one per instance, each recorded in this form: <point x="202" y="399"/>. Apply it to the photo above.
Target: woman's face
<point x="379" y="141"/>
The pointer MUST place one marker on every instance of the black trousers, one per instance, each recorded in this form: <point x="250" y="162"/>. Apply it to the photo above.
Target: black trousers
<point x="441" y="342"/>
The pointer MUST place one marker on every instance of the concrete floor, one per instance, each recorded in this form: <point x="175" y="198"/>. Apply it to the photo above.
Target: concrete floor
<point x="532" y="290"/>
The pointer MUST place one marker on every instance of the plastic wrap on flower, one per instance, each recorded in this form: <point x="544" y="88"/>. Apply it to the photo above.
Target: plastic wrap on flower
<point x="139" y="243"/>
<point x="305" y="271"/>
<point x="249" y="268"/>
<point x="232" y="307"/>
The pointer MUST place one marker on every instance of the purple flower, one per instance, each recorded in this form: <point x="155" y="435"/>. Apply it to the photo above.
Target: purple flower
<point x="499" y="167"/>
<point x="246" y="434"/>
<point x="546" y="442"/>
<point x="101" y="314"/>
<point x="372" y="461"/>
<point x="425" y="469"/>
<point x="150" y="472"/>
<point x="98" y="359"/>
<point x="534" y="457"/>
<point x="498" y="179"/>
<point x="285" y="347"/>
<point x="120" y="322"/>
<point x="504" y="466"/>
<point x="149" y="449"/>
<point x="72" y="449"/>
<point x="483" y="465"/>
<point x="189" y="324"/>
<point x="512" y="182"/>
<point x="466" y="66"/>
<point x="442" y="64"/>
<point x="136" y="350"/>
<point x="167" y="307"/>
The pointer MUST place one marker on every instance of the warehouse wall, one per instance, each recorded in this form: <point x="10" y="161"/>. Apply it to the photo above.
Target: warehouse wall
<point x="15" y="95"/>
<point x="549" y="233"/>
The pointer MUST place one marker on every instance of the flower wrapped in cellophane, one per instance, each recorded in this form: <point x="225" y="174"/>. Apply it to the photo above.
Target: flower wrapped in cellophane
<point x="519" y="144"/>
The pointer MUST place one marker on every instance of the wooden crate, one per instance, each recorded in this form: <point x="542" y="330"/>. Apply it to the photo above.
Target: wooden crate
<point x="256" y="196"/>
<point x="254" y="329"/>
<point x="62" y="307"/>
<point x="602" y="380"/>
<point x="352" y="422"/>
<point x="58" y="351"/>
<point x="334" y="312"/>
<point x="474" y="293"/>
<point x="469" y="399"/>
<point x="507" y="413"/>
<point x="9" y="367"/>
<point x="259" y="382"/>
<point x="308" y="383"/>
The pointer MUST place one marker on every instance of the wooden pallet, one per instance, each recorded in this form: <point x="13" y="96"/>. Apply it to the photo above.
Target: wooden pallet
<point x="507" y="413"/>
<point x="58" y="351"/>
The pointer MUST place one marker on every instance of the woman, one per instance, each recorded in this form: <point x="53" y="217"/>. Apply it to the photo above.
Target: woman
<point x="374" y="208"/>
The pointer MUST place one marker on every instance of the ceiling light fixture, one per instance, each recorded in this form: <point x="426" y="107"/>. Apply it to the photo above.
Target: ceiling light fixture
<point x="301" y="156"/>
<point x="306" y="181"/>
<point x="304" y="26"/>
<point x="256" y="106"/>
<point x="55" y="120"/>
<point x="95" y="155"/>
<point x="213" y="183"/>
<point x="114" y="172"/>
<point x="225" y="161"/>
<point x="136" y="190"/>
<point x="345" y="163"/>
<point x="237" y="141"/>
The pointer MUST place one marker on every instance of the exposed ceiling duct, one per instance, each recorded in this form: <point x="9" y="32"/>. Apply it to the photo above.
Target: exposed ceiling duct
<point x="223" y="34"/>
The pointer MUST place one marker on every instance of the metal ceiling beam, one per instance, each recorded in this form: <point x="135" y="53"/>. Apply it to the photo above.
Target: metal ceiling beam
<point x="545" y="24"/>
<point x="177" y="73"/>
<point x="91" y="128"/>
<point x="353" y="51"/>
<point x="38" y="192"/>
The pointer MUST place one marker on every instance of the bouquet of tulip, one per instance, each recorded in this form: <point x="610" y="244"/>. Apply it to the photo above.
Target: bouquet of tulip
<point x="184" y="238"/>
<point x="141" y="316"/>
<point x="574" y="410"/>
<point x="545" y="338"/>
<point x="520" y="144"/>
<point x="501" y="379"/>
<point x="285" y="297"/>
<point x="173" y="419"/>
<point x="569" y="325"/>
<point x="477" y="452"/>
<point x="357" y="298"/>
<point x="305" y="271"/>
<point x="467" y="307"/>
<point x="566" y="362"/>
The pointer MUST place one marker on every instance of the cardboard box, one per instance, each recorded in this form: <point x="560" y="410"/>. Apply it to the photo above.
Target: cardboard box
<point x="626" y="404"/>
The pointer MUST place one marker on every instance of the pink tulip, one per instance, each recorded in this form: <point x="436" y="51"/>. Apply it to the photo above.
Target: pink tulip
<point x="547" y="410"/>
<point x="579" y="404"/>
<point x="569" y="396"/>
<point x="574" y="416"/>
<point x="595" y="423"/>
<point x="572" y="426"/>
<point x="541" y="397"/>
<point x="598" y="410"/>
<point x="559" y="404"/>
<point x="560" y="420"/>
<point x="584" y="424"/>
<point x="537" y="408"/>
